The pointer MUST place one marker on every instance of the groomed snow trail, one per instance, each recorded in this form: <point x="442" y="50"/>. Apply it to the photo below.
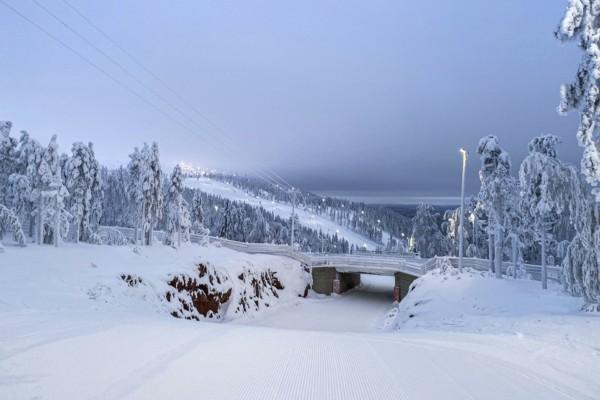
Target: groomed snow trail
<point x="175" y="359"/>
<point x="359" y="310"/>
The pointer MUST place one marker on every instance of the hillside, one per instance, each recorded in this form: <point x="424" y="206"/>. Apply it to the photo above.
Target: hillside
<point x="306" y="216"/>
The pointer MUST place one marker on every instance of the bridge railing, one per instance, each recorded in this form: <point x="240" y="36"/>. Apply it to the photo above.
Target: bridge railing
<point x="410" y="263"/>
<point x="250" y="248"/>
<point x="532" y="270"/>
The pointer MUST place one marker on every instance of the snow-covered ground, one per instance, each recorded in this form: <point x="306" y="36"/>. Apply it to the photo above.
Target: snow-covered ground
<point x="283" y="210"/>
<point x="70" y="328"/>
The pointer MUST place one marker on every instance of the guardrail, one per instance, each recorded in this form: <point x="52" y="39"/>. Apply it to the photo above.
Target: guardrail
<point x="533" y="270"/>
<point x="250" y="248"/>
<point x="409" y="263"/>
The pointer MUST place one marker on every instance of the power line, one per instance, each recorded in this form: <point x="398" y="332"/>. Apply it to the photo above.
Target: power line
<point x="262" y="175"/>
<point x="273" y="175"/>
<point x="94" y="65"/>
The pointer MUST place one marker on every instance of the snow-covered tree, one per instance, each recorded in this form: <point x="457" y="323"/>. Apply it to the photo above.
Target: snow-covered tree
<point x="581" y="265"/>
<point x="85" y="189"/>
<point x="8" y="148"/>
<point x="55" y="218"/>
<point x="145" y="190"/>
<point x="428" y="238"/>
<point x="151" y="191"/>
<point x="498" y="194"/>
<point x="178" y="217"/>
<point x="136" y="169"/>
<point x="225" y="220"/>
<point x="260" y="230"/>
<point x="197" y="219"/>
<point x="547" y="189"/>
<point x="197" y="213"/>
<point x="581" y="22"/>
<point x="10" y="223"/>
<point x="117" y="210"/>
<point x="51" y="201"/>
<point x="25" y="183"/>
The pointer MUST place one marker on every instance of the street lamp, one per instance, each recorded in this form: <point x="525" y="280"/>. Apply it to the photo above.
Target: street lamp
<point x="463" y="153"/>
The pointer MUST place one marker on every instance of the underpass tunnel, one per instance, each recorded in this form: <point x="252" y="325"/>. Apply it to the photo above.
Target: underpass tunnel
<point x="328" y="280"/>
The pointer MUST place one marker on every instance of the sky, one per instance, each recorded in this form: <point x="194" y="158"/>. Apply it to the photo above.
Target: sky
<point x="339" y="96"/>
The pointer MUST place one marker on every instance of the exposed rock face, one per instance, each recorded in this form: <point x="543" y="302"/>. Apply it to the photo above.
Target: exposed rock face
<point x="257" y="289"/>
<point x="205" y="295"/>
<point x="210" y="293"/>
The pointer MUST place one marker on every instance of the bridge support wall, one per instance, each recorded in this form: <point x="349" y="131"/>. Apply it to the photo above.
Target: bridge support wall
<point x="327" y="280"/>
<point x="345" y="281"/>
<point x="402" y="285"/>
<point x="323" y="280"/>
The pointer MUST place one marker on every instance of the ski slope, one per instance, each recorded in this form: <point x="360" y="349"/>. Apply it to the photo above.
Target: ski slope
<point x="69" y="329"/>
<point x="283" y="210"/>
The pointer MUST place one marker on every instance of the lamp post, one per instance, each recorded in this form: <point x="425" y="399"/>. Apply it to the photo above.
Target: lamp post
<point x="462" y="210"/>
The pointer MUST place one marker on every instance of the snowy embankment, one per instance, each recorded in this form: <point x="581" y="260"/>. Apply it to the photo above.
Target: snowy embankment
<point x="191" y="282"/>
<point x="283" y="210"/>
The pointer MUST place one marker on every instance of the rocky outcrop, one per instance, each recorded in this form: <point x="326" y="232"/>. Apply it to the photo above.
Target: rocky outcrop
<point x="205" y="294"/>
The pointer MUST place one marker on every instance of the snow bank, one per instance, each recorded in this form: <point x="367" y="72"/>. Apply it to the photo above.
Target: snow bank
<point x="475" y="301"/>
<point x="192" y="282"/>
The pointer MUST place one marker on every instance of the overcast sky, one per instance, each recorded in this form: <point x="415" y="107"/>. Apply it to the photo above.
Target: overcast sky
<point x="333" y="95"/>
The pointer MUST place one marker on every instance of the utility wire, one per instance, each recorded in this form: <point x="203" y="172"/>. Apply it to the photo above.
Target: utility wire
<point x="100" y="69"/>
<point x="273" y="175"/>
<point x="128" y="73"/>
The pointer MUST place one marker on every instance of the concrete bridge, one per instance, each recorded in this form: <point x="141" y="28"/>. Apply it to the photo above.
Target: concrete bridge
<point x="336" y="273"/>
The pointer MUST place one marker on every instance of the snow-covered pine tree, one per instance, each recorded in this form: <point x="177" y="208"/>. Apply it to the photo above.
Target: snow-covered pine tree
<point x="10" y="223"/>
<point x="25" y="182"/>
<point x="197" y="218"/>
<point x="178" y="217"/>
<point x="580" y="22"/>
<point x="85" y="189"/>
<point x="152" y="196"/>
<point x="260" y="229"/>
<point x="51" y="202"/>
<point x="56" y="218"/>
<point x="8" y="149"/>
<point x="498" y="193"/>
<point x="547" y="189"/>
<point x="428" y="238"/>
<point x="197" y="214"/>
<point x="136" y="169"/>
<point x="581" y="265"/>
<point x="117" y="210"/>
<point x="225" y="220"/>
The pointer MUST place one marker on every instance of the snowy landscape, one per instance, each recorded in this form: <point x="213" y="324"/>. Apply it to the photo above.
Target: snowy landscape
<point x="146" y="277"/>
